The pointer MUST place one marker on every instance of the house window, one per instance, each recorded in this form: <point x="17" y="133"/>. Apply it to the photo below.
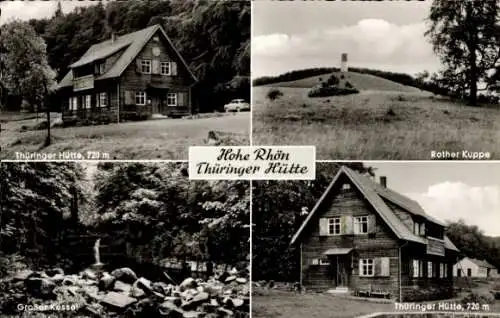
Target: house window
<point x="430" y="269"/>
<point x="361" y="225"/>
<point x="441" y="270"/>
<point x="416" y="228"/>
<point x="146" y="66"/>
<point x="418" y="268"/>
<point x="346" y="186"/>
<point x="73" y="103"/>
<point x="334" y="226"/>
<point x="165" y="68"/>
<point x="140" y="98"/>
<point x="445" y="274"/>
<point x="366" y="267"/>
<point x="172" y="99"/>
<point x="323" y="261"/>
<point x="469" y="272"/>
<point x="86" y="101"/>
<point x="103" y="99"/>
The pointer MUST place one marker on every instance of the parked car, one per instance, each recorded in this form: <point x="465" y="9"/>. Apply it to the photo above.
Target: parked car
<point x="237" y="105"/>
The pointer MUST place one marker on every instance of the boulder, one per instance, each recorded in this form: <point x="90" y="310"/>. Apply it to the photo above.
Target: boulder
<point x="122" y="287"/>
<point x="197" y="300"/>
<point x="230" y="279"/>
<point x="54" y="271"/>
<point x="144" y="284"/>
<point x="170" y="310"/>
<point x="137" y="292"/>
<point x="162" y="288"/>
<point x="177" y="301"/>
<point x="117" y="300"/>
<point x="241" y="280"/>
<point x="41" y="287"/>
<point x="191" y="314"/>
<point x="124" y="274"/>
<point x="23" y="274"/>
<point x="57" y="278"/>
<point x="188" y="283"/>
<point x="88" y="274"/>
<point x="106" y="282"/>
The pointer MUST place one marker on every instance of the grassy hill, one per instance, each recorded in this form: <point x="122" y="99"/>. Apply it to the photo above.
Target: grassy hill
<point x="358" y="80"/>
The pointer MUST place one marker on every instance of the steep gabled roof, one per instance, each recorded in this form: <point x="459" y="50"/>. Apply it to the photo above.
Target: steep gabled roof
<point x="481" y="263"/>
<point x="131" y="44"/>
<point x="375" y="195"/>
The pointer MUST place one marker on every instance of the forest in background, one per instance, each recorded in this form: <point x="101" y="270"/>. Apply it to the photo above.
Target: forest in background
<point x="52" y="213"/>
<point x="212" y="36"/>
<point x="276" y="213"/>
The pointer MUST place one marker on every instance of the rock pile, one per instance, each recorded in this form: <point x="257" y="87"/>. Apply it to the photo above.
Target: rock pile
<point x="122" y="293"/>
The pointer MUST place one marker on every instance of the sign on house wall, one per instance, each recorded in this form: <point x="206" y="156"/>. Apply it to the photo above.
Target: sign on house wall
<point x="86" y="82"/>
<point x="435" y="246"/>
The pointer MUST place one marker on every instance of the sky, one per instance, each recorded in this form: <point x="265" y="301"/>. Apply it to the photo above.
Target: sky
<point x="449" y="190"/>
<point x="388" y="35"/>
<point x="26" y="10"/>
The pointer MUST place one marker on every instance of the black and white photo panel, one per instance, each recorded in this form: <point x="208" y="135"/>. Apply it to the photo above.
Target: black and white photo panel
<point x="122" y="240"/>
<point x="378" y="80"/>
<point x="123" y="80"/>
<point x="378" y="239"/>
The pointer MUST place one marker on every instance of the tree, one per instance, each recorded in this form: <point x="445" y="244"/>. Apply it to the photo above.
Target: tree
<point x="466" y="37"/>
<point x="26" y="71"/>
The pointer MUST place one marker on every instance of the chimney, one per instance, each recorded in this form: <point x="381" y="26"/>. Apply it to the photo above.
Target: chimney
<point x="383" y="181"/>
<point x="343" y="63"/>
<point x="113" y="37"/>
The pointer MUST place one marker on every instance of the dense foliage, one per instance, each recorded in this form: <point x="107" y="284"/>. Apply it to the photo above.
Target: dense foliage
<point x="466" y="37"/>
<point x="212" y="36"/>
<point x="52" y="213"/>
<point x="473" y="243"/>
<point x="276" y="212"/>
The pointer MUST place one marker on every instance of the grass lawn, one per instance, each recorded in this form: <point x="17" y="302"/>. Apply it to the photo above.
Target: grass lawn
<point x="275" y="303"/>
<point x="152" y="139"/>
<point x="375" y="124"/>
<point x="283" y="304"/>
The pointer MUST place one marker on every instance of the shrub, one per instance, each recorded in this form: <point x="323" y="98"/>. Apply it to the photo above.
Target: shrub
<point x="348" y="85"/>
<point x="332" y="80"/>
<point x="274" y="94"/>
<point x="477" y="298"/>
<point x="331" y="91"/>
<point x="342" y="76"/>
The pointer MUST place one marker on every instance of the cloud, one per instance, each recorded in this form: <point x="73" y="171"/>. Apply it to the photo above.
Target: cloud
<point x="25" y="10"/>
<point x="369" y="43"/>
<point x="456" y="200"/>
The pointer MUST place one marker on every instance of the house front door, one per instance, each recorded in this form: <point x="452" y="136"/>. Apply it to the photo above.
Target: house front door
<point x="155" y="105"/>
<point x="339" y="270"/>
<point x="342" y="270"/>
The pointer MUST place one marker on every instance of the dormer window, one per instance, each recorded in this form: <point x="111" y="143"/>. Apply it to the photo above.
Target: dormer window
<point x="419" y="228"/>
<point x="99" y="68"/>
<point x="346" y="186"/>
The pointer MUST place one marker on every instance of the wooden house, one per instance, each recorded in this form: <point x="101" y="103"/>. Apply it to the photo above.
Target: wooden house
<point x="364" y="238"/>
<point x="471" y="267"/>
<point x="132" y="76"/>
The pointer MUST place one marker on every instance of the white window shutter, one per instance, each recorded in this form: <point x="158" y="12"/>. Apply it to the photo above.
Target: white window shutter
<point x="349" y="224"/>
<point x="138" y="65"/>
<point x="155" y="66"/>
<point x="343" y="225"/>
<point x="377" y="266"/>
<point x="173" y="65"/>
<point x="385" y="266"/>
<point x="415" y="269"/>
<point x="323" y="226"/>
<point x="360" y="267"/>
<point x="372" y="224"/>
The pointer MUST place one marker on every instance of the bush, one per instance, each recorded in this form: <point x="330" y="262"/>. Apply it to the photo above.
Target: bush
<point x="274" y="94"/>
<point x="331" y="91"/>
<point x="348" y="85"/>
<point x="332" y="80"/>
<point x="477" y="298"/>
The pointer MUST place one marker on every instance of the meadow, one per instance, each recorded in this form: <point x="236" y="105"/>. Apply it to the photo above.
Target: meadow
<point x="386" y="120"/>
<point x="150" y="139"/>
